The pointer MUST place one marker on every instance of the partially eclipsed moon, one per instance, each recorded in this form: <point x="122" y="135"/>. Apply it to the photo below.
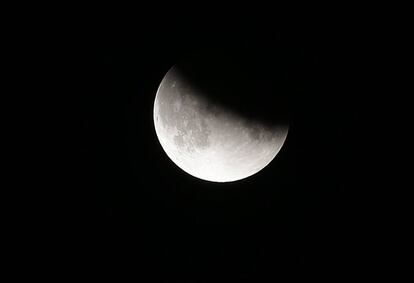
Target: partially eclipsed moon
<point x="207" y="140"/>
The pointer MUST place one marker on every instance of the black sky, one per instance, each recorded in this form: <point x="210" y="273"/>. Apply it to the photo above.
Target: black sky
<point x="131" y="209"/>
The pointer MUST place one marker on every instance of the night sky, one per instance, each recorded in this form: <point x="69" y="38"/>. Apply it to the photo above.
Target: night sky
<point x="132" y="210"/>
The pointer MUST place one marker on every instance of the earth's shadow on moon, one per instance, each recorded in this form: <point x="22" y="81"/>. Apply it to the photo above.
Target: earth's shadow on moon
<point x="245" y="83"/>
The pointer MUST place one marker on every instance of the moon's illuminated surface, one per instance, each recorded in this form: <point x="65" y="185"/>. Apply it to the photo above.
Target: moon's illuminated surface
<point x="207" y="140"/>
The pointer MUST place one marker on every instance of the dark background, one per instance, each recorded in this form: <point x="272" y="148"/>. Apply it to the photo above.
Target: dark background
<point x="128" y="209"/>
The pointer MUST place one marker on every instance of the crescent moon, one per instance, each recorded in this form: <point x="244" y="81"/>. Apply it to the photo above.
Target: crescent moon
<point x="206" y="139"/>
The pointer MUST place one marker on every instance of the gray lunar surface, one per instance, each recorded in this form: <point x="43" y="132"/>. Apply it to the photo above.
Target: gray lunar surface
<point x="207" y="140"/>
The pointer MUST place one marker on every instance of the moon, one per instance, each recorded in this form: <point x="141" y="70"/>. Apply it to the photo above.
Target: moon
<point x="208" y="139"/>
